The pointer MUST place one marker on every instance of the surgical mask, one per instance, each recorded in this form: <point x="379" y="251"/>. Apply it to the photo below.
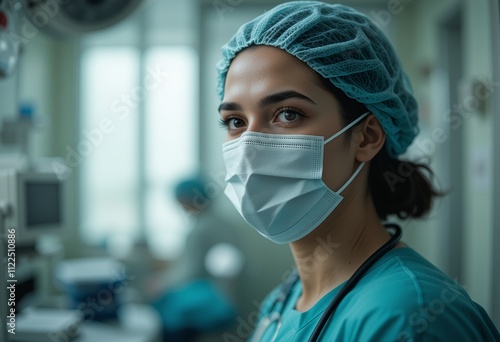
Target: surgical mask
<point x="275" y="182"/>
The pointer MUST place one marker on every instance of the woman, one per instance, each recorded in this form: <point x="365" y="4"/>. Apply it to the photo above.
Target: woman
<point x="317" y="110"/>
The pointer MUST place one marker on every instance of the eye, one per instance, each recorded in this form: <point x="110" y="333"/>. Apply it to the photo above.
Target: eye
<point x="287" y="115"/>
<point x="235" y="123"/>
<point x="232" y="123"/>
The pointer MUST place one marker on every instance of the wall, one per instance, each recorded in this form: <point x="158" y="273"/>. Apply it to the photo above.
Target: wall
<point x="478" y="141"/>
<point x="419" y="43"/>
<point x="418" y="49"/>
<point x="495" y="14"/>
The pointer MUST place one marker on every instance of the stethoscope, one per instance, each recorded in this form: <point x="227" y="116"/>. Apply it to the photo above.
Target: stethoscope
<point x="286" y="288"/>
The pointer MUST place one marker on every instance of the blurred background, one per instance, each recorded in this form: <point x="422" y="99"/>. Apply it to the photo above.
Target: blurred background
<point x="117" y="99"/>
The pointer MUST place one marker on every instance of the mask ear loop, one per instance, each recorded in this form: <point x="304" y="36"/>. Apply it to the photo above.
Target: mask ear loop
<point x="346" y="128"/>
<point x="346" y="184"/>
<point x="352" y="178"/>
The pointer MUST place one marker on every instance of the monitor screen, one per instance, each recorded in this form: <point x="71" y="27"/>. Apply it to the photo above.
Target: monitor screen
<point x="43" y="203"/>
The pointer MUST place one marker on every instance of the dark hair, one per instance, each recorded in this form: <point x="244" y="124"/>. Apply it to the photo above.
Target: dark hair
<point x="397" y="187"/>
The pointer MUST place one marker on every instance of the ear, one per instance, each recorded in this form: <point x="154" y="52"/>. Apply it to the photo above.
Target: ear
<point x="370" y="139"/>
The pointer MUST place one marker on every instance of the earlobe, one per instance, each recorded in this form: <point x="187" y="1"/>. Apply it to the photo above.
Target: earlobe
<point x="372" y="139"/>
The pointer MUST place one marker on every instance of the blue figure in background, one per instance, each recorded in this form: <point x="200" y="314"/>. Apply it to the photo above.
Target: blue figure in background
<point x="197" y="288"/>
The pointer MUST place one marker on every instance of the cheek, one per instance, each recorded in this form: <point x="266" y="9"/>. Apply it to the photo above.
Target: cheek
<point x="337" y="164"/>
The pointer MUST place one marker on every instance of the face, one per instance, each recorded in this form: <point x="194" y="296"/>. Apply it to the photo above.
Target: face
<point x="269" y="91"/>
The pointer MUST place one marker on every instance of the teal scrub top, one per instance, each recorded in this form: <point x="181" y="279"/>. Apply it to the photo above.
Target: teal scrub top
<point x="403" y="297"/>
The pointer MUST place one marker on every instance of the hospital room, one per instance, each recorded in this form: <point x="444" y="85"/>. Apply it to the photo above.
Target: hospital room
<point x="153" y="158"/>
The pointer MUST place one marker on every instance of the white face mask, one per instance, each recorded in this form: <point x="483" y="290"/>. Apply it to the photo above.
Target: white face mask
<point x="275" y="182"/>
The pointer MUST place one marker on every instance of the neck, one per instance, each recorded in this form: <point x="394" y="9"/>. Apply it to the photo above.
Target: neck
<point x="331" y="254"/>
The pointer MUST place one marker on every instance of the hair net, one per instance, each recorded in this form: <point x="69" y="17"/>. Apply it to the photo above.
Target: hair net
<point x="343" y="46"/>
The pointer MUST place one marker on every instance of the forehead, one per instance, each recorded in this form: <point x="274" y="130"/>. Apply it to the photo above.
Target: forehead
<point x="263" y="69"/>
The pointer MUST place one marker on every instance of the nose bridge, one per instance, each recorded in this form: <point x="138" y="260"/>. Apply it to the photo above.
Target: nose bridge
<point x="257" y="123"/>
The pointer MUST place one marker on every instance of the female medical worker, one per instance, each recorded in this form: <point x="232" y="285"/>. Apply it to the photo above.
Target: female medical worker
<point x="317" y="110"/>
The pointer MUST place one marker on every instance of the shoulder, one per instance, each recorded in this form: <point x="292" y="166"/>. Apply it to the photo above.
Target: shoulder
<point x="406" y="298"/>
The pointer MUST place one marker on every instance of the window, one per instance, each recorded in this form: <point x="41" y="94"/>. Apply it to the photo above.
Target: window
<point x="170" y="144"/>
<point x="138" y="136"/>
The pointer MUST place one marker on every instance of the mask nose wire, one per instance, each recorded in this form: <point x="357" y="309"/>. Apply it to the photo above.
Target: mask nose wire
<point x="345" y="128"/>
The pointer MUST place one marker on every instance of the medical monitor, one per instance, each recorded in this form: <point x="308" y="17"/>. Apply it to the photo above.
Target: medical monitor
<point x="36" y="201"/>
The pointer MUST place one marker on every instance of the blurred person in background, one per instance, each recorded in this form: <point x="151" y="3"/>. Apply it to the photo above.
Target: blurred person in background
<point x="194" y="294"/>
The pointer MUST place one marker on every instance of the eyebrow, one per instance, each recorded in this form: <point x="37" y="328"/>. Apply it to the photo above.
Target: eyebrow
<point x="268" y="100"/>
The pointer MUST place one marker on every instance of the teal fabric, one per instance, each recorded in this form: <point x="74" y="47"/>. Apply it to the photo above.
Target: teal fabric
<point x="345" y="47"/>
<point x="191" y="189"/>
<point x="198" y="305"/>
<point x="403" y="297"/>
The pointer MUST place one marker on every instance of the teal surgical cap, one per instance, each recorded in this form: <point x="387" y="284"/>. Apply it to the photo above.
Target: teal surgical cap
<point x="191" y="189"/>
<point x="345" y="47"/>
